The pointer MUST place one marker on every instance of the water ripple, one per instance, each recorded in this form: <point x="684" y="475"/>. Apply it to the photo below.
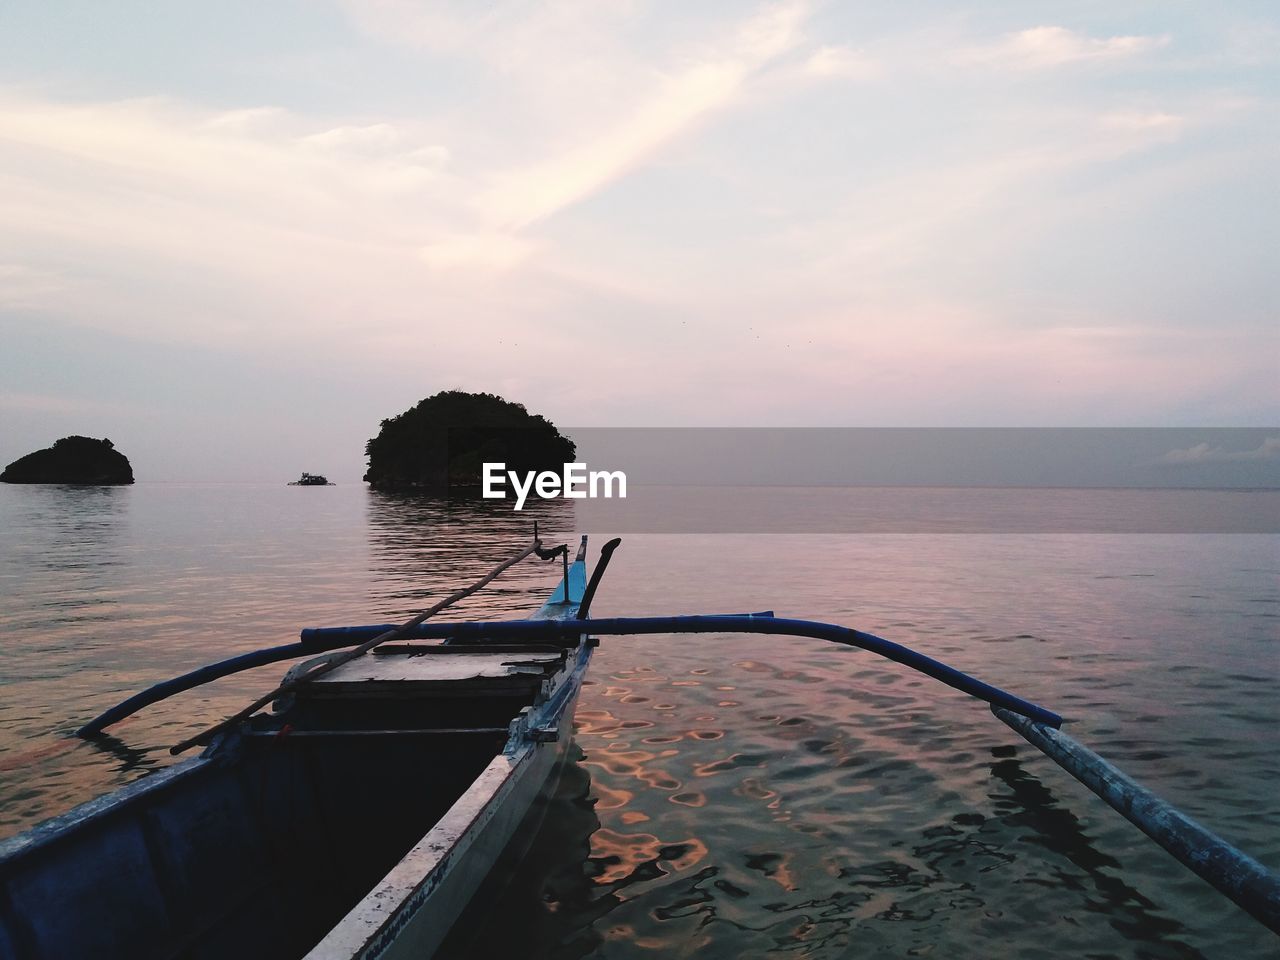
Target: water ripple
<point x="734" y="796"/>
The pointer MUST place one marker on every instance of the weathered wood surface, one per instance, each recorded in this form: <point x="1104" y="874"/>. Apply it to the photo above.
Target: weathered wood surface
<point x="413" y="907"/>
<point x="436" y="669"/>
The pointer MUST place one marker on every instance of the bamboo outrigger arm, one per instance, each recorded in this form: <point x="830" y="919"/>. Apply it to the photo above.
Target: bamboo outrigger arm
<point x="258" y="658"/>
<point x="319" y="639"/>
<point x="394" y="633"/>
<point x="1231" y="872"/>
<point x="751" y="623"/>
<point x="1239" y="877"/>
<point x="1236" y="875"/>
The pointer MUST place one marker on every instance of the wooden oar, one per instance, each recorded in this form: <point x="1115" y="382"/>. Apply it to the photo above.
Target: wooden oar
<point x="347" y="656"/>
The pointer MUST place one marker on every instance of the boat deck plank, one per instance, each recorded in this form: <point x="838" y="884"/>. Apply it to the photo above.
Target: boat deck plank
<point x="457" y="668"/>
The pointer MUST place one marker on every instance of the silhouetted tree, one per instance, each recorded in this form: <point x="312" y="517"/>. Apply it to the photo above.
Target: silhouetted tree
<point x="72" y="460"/>
<point x="444" y="440"/>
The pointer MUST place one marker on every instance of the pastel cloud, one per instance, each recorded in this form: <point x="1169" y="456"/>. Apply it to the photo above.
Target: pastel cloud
<point x="1051" y="46"/>
<point x="528" y="194"/>
<point x="1157" y="123"/>
<point x="681" y="100"/>
<point x="24" y="287"/>
<point x="767" y="205"/>
<point x="842" y="63"/>
<point x="484" y="251"/>
<point x="1268" y="450"/>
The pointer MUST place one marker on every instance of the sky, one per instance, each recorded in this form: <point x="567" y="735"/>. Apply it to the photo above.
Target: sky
<point x="235" y="236"/>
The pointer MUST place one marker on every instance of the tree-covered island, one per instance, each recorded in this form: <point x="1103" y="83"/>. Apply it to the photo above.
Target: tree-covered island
<point x="443" y="442"/>
<point x="72" y="460"/>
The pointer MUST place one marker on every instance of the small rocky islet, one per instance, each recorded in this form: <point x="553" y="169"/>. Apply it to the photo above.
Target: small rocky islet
<point x="78" y="460"/>
<point x="439" y="445"/>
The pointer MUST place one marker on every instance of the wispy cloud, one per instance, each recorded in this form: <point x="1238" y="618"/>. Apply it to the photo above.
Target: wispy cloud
<point x="485" y="251"/>
<point x="42" y="403"/>
<point x="1051" y="46"/>
<point x="527" y="194"/>
<point x="1155" y="123"/>
<point x="25" y="287"/>
<point x="17" y="403"/>
<point x="494" y="193"/>
<point x="447" y="25"/>
<point x="1268" y="450"/>
<point x="843" y="63"/>
<point x="238" y="221"/>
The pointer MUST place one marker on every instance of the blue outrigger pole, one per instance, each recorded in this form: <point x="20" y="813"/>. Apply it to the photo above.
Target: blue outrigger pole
<point x="533" y="630"/>
<point x="1233" y="873"/>
<point x="321" y="639"/>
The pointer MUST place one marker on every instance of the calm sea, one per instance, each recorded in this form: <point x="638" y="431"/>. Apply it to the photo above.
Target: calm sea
<point x="734" y="796"/>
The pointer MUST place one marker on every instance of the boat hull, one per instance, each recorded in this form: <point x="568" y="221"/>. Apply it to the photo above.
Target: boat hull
<point x="356" y="822"/>
<point x="413" y="909"/>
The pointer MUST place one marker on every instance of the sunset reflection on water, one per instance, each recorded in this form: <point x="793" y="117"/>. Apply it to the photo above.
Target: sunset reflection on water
<point x="730" y="796"/>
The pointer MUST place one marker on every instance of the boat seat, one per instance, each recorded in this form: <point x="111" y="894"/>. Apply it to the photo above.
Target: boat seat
<point x="431" y="732"/>
<point x="416" y="676"/>
<point x="424" y="649"/>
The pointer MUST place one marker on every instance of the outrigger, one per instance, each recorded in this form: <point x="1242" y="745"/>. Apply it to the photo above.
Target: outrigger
<point x="358" y="819"/>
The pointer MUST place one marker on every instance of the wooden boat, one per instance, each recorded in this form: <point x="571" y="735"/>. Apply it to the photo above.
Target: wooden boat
<point x="355" y="823"/>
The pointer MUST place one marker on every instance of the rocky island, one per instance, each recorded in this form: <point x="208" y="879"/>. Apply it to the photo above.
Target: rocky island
<point x="441" y="444"/>
<point x="72" y="460"/>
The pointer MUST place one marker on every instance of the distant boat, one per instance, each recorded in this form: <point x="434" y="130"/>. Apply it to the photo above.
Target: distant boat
<point x="312" y="480"/>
